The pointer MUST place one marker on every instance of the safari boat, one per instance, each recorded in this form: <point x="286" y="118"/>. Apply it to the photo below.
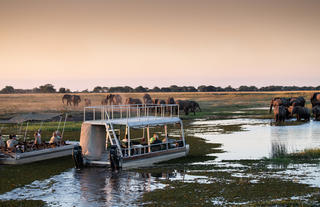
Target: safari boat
<point x="16" y="158"/>
<point x="30" y="154"/>
<point x="120" y="136"/>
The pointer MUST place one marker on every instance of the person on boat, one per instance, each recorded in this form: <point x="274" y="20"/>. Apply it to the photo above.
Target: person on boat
<point x="37" y="138"/>
<point x="2" y="143"/>
<point x="12" y="142"/>
<point x="55" y="139"/>
<point x="155" y="139"/>
<point x="124" y="141"/>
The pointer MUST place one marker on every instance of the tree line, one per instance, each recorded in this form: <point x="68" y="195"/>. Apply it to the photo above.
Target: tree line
<point x="49" y="88"/>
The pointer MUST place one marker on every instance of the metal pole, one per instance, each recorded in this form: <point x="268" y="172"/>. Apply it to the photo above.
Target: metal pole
<point x="63" y="127"/>
<point x="59" y="123"/>
<point x="129" y="142"/>
<point x="25" y="133"/>
<point x="148" y="137"/>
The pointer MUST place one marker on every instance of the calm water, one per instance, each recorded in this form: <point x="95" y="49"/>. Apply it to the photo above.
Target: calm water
<point x="256" y="140"/>
<point x="100" y="187"/>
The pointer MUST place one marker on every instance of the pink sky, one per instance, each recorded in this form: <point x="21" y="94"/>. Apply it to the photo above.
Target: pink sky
<point x="82" y="44"/>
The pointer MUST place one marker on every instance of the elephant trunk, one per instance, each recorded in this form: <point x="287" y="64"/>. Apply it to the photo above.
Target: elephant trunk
<point x="270" y="107"/>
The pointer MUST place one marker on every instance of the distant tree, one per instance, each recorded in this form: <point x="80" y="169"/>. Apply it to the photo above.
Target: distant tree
<point x="97" y="89"/>
<point x="62" y="90"/>
<point x="105" y="89"/>
<point x="85" y="91"/>
<point x="47" y="88"/>
<point x="247" y="88"/>
<point x="229" y="88"/>
<point x="156" y="89"/>
<point x="165" y="89"/>
<point x="7" y="89"/>
<point x="140" y="89"/>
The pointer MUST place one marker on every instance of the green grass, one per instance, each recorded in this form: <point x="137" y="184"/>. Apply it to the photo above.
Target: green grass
<point x="22" y="203"/>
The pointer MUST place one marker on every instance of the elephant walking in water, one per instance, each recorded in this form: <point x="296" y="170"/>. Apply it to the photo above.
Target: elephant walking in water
<point x="277" y="101"/>
<point x="279" y="113"/>
<point x="315" y="99"/>
<point x="301" y="113"/>
<point x="316" y="112"/>
<point x="297" y="101"/>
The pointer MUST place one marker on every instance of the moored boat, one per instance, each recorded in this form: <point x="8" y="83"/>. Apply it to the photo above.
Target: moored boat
<point x="101" y="143"/>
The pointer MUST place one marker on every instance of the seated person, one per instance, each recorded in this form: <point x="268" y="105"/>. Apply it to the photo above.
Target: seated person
<point x="2" y="144"/>
<point x="124" y="142"/>
<point x="155" y="139"/>
<point x="12" y="142"/>
<point x="55" y="139"/>
<point x="37" y="137"/>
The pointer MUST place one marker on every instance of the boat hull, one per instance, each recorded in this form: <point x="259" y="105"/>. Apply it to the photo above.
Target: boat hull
<point x="145" y="160"/>
<point x="39" y="155"/>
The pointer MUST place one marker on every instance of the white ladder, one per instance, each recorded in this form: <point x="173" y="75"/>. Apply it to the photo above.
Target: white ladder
<point x="113" y="137"/>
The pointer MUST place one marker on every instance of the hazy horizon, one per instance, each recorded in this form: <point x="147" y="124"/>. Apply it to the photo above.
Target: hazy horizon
<point x="83" y="44"/>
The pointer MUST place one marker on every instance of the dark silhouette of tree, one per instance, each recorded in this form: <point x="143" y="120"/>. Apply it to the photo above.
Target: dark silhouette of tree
<point x="140" y="89"/>
<point x="62" y="90"/>
<point x="97" y="89"/>
<point x="47" y="88"/>
<point x="8" y="89"/>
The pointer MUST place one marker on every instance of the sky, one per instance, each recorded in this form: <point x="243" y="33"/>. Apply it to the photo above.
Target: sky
<point x="80" y="44"/>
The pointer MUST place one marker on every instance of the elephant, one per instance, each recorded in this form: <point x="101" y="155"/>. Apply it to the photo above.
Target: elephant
<point x="133" y="101"/>
<point x="171" y="100"/>
<point x="315" y="99"/>
<point x="279" y="113"/>
<point x="87" y="102"/>
<point x="68" y="98"/>
<point x="76" y="100"/>
<point x="297" y="101"/>
<point x="115" y="99"/>
<point x="147" y="99"/>
<point x="187" y="106"/>
<point x="112" y="99"/>
<point x="301" y="113"/>
<point x="316" y="112"/>
<point x="278" y="101"/>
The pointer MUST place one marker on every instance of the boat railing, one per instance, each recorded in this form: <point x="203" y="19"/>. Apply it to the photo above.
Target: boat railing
<point x="138" y="150"/>
<point x="110" y="112"/>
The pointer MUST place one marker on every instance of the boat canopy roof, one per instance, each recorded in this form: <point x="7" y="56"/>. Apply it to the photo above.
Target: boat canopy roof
<point x="138" y="121"/>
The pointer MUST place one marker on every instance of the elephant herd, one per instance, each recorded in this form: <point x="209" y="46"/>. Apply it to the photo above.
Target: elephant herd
<point x="71" y="99"/>
<point x="285" y="108"/>
<point x="185" y="105"/>
<point x="115" y="99"/>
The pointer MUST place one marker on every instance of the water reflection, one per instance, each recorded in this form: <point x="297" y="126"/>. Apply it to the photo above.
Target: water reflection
<point x="255" y="142"/>
<point x="89" y="187"/>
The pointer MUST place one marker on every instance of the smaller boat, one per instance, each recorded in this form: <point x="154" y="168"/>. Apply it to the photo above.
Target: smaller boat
<point x="16" y="158"/>
<point x="101" y="145"/>
<point x="26" y="152"/>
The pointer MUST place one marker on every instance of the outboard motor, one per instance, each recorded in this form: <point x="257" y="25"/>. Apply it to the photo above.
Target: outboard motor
<point x="115" y="159"/>
<point x="77" y="156"/>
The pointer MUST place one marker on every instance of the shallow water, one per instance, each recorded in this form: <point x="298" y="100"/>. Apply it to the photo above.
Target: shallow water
<point x="88" y="187"/>
<point x="256" y="139"/>
<point x="100" y="187"/>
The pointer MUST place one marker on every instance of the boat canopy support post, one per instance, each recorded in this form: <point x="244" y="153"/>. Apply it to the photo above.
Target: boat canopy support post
<point x="148" y="137"/>
<point x="182" y="133"/>
<point x="129" y="142"/>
